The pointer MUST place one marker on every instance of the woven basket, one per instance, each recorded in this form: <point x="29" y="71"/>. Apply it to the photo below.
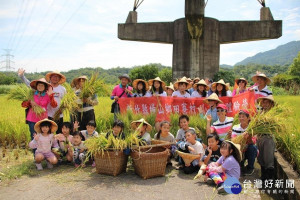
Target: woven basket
<point x="158" y="142"/>
<point x="150" y="162"/>
<point x="111" y="162"/>
<point x="187" y="157"/>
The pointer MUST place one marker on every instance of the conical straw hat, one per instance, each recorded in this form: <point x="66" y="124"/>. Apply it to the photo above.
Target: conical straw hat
<point x="261" y="75"/>
<point x="201" y="82"/>
<point x="62" y="77"/>
<point x="159" y="80"/>
<point x="136" y="81"/>
<point x="214" y="85"/>
<point x="171" y="86"/>
<point x="213" y="97"/>
<point x="37" y="127"/>
<point x="42" y="80"/>
<point x="188" y="157"/>
<point x="134" y="124"/>
<point x="189" y="85"/>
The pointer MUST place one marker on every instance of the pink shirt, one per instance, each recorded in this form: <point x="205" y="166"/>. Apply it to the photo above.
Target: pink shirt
<point x="42" y="101"/>
<point x="44" y="143"/>
<point x="118" y="90"/>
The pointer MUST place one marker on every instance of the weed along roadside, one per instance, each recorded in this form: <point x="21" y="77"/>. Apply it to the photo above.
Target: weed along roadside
<point x="16" y="159"/>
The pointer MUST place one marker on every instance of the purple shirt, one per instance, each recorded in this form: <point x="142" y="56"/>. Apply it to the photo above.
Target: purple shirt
<point x="118" y="90"/>
<point x="231" y="165"/>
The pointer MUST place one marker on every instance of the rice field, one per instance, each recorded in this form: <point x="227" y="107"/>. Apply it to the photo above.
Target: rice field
<point x="14" y="133"/>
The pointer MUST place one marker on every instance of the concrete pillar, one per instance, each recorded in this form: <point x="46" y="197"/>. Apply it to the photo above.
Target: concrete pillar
<point x="265" y="14"/>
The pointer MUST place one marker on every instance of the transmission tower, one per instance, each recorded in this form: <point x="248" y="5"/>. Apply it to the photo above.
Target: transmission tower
<point x="7" y="60"/>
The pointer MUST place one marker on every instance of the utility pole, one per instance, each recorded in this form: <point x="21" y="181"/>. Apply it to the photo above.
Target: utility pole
<point x="7" y="60"/>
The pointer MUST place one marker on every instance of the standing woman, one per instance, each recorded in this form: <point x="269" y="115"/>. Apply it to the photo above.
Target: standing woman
<point x="157" y="88"/>
<point x="242" y="84"/>
<point x="200" y="89"/>
<point x="120" y="91"/>
<point x="40" y="98"/>
<point x="221" y="89"/>
<point x="141" y="87"/>
<point x="86" y="112"/>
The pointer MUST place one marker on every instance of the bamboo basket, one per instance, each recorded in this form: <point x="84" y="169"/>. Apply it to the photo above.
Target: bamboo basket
<point x="150" y="161"/>
<point x="111" y="162"/>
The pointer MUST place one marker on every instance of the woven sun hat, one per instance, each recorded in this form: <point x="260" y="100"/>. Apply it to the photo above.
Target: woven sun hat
<point x="171" y="86"/>
<point x="188" y="157"/>
<point x="213" y="97"/>
<point x="134" y="125"/>
<point x="240" y="79"/>
<point x="197" y="78"/>
<point x="42" y="80"/>
<point x="189" y="80"/>
<point x="75" y="80"/>
<point x="270" y="97"/>
<point x="37" y="127"/>
<point x="136" y="81"/>
<point x="183" y="80"/>
<point x="214" y="84"/>
<point x="62" y="77"/>
<point x="237" y="149"/>
<point x="163" y="84"/>
<point x="125" y="76"/>
<point x="261" y="75"/>
<point x="201" y="82"/>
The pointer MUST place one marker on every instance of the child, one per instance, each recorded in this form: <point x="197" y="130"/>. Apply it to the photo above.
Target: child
<point x="200" y="89"/>
<point x="144" y="129"/>
<point x="184" y="126"/>
<point x="226" y="166"/>
<point x="90" y="130"/>
<point x="213" y="100"/>
<point x="221" y="89"/>
<point x="79" y="150"/>
<point x="212" y="152"/>
<point x="117" y="130"/>
<point x="65" y="140"/>
<point x="182" y="85"/>
<point x="141" y="87"/>
<point x="157" y="88"/>
<point x="164" y="134"/>
<point x="43" y="141"/>
<point x="170" y="89"/>
<point x="194" y="147"/>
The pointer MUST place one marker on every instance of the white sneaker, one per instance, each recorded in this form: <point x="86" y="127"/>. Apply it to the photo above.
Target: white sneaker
<point x="39" y="166"/>
<point x="49" y="165"/>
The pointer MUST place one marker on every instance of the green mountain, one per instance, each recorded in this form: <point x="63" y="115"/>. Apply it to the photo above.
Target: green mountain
<point x="282" y="55"/>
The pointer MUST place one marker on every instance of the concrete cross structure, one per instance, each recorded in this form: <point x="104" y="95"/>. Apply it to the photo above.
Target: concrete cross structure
<point x="196" y="39"/>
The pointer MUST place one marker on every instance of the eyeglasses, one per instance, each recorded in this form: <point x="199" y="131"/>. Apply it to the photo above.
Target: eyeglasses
<point x="220" y="110"/>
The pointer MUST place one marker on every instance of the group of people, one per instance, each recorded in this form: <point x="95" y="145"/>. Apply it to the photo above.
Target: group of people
<point x="221" y="156"/>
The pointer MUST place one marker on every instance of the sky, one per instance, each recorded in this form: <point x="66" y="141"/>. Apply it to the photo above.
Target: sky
<point x="47" y="35"/>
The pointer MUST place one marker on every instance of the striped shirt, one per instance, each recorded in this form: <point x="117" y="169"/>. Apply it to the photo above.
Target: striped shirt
<point x="222" y="128"/>
<point x="237" y="130"/>
<point x="262" y="93"/>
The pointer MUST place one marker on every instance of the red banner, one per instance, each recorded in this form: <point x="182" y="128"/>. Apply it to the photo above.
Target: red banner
<point x="189" y="106"/>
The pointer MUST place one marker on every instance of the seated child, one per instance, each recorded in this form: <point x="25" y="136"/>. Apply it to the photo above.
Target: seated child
<point x="43" y="141"/>
<point x="184" y="126"/>
<point x="226" y="166"/>
<point x="78" y="150"/>
<point x="194" y="147"/>
<point x="164" y="134"/>
<point x="117" y="130"/>
<point x="90" y="130"/>
<point x="65" y="140"/>
<point x="144" y="130"/>
<point x="212" y="152"/>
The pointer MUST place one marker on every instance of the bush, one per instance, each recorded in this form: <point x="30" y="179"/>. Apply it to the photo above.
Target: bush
<point x="4" y="89"/>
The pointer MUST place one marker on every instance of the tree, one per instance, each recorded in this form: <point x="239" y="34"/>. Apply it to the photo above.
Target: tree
<point x="145" y="72"/>
<point x="166" y="75"/>
<point x="295" y="66"/>
<point x="227" y="76"/>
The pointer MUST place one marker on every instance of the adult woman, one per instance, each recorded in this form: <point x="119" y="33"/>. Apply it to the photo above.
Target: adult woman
<point x="200" y="89"/>
<point x="222" y="125"/>
<point x="221" y="89"/>
<point x="242" y="84"/>
<point x="86" y="112"/>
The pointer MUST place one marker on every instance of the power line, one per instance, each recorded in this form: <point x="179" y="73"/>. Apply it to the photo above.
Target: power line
<point x="7" y="60"/>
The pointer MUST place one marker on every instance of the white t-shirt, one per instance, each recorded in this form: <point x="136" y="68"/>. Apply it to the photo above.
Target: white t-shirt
<point x="149" y="94"/>
<point x="147" y="137"/>
<point x="59" y="92"/>
<point x="196" y="94"/>
<point x="178" y="94"/>
<point x="198" y="149"/>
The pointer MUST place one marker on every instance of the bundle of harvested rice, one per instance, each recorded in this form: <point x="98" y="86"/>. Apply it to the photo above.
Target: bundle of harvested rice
<point x="92" y="87"/>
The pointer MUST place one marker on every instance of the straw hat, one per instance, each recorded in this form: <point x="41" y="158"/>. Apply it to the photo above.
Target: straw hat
<point x="37" y="127"/>
<point x="75" y="80"/>
<point x="62" y="77"/>
<point x="188" y="157"/>
<point x="171" y="86"/>
<point x="197" y="78"/>
<point x="201" y="82"/>
<point x="159" y="80"/>
<point x="189" y="80"/>
<point x="183" y="80"/>
<point x="214" y="84"/>
<point x="261" y="75"/>
<point x="213" y="97"/>
<point x="42" y="80"/>
<point x="237" y="149"/>
<point x="270" y="97"/>
<point x="125" y="76"/>
<point x="136" y="81"/>
<point x="240" y="79"/>
<point x="134" y="124"/>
